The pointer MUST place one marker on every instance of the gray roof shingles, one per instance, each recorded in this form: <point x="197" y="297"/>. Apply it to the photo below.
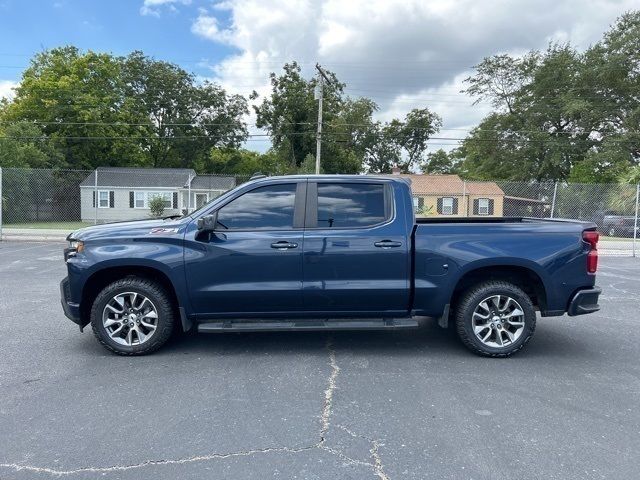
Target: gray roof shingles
<point x="213" y="182"/>
<point x="157" y="178"/>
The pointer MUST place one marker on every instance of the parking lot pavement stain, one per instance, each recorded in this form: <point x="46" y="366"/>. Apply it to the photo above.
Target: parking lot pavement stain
<point x="375" y="463"/>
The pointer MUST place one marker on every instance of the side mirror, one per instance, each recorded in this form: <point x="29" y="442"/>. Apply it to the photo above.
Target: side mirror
<point x="208" y="222"/>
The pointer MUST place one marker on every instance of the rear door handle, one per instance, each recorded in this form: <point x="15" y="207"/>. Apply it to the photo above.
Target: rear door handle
<point x="284" y="245"/>
<point x="387" y="244"/>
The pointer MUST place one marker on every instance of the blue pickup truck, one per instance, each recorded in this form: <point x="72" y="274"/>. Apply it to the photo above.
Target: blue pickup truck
<point x="326" y="253"/>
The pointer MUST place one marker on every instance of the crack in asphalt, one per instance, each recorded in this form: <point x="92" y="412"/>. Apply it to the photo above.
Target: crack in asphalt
<point x="147" y="463"/>
<point x="328" y="393"/>
<point x="325" y="422"/>
<point x="378" y="467"/>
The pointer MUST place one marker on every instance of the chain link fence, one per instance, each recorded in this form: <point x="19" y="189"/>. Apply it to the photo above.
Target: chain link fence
<point x="612" y="207"/>
<point x="48" y="204"/>
<point x="43" y="204"/>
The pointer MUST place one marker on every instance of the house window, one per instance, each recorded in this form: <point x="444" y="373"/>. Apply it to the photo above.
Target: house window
<point x="140" y="200"/>
<point x="166" y="196"/>
<point x="201" y="199"/>
<point x="447" y="206"/>
<point x="103" y="199"/>
<point x="483" y="206"/>
<point x="416" y="204"/>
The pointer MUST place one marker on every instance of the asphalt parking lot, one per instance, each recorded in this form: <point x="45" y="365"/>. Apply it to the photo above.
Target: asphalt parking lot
<point x="410" y="405"/>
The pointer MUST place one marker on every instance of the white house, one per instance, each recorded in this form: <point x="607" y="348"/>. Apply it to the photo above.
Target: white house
<point x="124" y="193"/>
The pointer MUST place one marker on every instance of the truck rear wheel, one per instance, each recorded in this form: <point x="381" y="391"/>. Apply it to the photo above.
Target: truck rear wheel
<point x="495" y="319"/>
<point x="132" y="316"/>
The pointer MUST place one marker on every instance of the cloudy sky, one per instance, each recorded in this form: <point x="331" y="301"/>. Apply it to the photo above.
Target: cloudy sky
<point x="403" y="54"/>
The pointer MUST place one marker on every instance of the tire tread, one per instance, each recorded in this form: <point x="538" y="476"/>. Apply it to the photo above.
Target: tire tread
<point x="165" y="306"/>
<point x="467" y="303"/>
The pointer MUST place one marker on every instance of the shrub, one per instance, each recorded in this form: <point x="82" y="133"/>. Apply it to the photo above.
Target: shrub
<point x="156" y="205"/>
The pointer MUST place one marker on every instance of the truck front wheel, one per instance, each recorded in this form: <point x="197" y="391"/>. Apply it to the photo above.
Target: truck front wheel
<point x="495" y="319"/>
<point x="132" y="316"/>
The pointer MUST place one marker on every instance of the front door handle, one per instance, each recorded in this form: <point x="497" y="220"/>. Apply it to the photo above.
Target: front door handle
<point x="387" y="244"/>
<point x="284" y="245"/>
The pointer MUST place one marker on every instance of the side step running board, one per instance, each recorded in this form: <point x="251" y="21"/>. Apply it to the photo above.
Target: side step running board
<point x="306" y="324"/>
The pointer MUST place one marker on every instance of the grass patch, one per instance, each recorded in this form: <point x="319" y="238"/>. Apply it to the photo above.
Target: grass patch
<point x="49" y="225"/>
<point x="604" y="238"/>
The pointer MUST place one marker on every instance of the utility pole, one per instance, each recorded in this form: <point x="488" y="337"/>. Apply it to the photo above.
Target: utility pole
<point x="322" y="77"/>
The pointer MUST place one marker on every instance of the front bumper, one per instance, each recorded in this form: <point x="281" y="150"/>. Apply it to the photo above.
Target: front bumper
<point x="71" y="309"/>
<point x="584" y="301"/>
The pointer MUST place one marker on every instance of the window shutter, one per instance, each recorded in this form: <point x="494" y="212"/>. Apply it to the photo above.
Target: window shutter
<point x="131" y="200"/>
<point x="490" y="206"/>
<point x="111" y="199"/>
<point x="175" y="200"/>
<point x="476" y="205"/>
<point x="94" y="199"/>
<point x="455" y="206"/>
<point x="439" y="206"/>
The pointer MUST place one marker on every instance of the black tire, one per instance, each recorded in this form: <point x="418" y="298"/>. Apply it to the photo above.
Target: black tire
<point x="473" y="297"/>
<point x="154" y="292"/>
<point x="613" y="232"/>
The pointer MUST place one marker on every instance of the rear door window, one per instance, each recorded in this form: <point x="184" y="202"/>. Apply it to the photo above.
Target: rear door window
<point x="351" y="205"/>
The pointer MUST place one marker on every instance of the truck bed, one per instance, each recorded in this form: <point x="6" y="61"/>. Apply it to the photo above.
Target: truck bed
<point x="432" y="220"/>
<point x="445" y="249"/>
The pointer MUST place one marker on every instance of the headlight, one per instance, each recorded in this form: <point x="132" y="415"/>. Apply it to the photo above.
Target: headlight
<point x="75" y="247"/>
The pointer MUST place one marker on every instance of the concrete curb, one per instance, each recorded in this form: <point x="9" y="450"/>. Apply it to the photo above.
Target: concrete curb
<point x="34" y="235"/>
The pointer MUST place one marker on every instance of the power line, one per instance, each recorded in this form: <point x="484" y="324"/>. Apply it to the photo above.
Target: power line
<point x="127" y="124"/>
<point x="337" y="124"/>
<point x="263" y="137"/>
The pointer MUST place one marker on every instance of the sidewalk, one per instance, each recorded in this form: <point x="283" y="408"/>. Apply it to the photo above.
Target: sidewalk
<point x="35" y="234"/>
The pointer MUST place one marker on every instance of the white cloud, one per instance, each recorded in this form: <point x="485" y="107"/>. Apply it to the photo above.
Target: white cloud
<point x="403" y="54"/>
<point x="207" y="26"/>
<point x="6" y="88"/>
<point x="153" y="7"/>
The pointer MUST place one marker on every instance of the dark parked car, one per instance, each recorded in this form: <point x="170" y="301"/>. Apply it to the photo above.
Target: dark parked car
<point x="619" y="225"/>
<point x="326" y="253"/>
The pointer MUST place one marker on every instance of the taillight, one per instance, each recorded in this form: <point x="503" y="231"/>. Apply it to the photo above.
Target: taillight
<point x="591" y="237"/>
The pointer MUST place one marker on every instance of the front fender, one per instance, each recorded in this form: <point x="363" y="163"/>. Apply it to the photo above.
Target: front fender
<point x="162" y="255"/>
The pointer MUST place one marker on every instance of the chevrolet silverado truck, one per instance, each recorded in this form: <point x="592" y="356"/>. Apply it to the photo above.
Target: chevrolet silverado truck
<point x="327" y="252"/>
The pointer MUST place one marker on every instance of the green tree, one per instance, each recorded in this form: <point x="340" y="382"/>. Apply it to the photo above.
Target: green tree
<point x="632" y="175"/>
<point x="308" y="165"/>
<point x="241" y="162"/>
<point x="401" y="143"/>
<point x="74" y="96"/>
<point x="181" y="118"/>
<point x="536" y="134"/>
<point x="560" y="114"/>
<point x="351" y="139"/>
<point x="441" y="162"/>
<point x="100" y="110"/>
<point x="24" y="145"/>
<point x="229" y="161"/>
<point x="289" y="114"/>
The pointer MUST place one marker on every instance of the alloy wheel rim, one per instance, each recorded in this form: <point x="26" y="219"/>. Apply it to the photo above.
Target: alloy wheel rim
<point x="498" y="321"/>
<point x="130" y="318"/>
